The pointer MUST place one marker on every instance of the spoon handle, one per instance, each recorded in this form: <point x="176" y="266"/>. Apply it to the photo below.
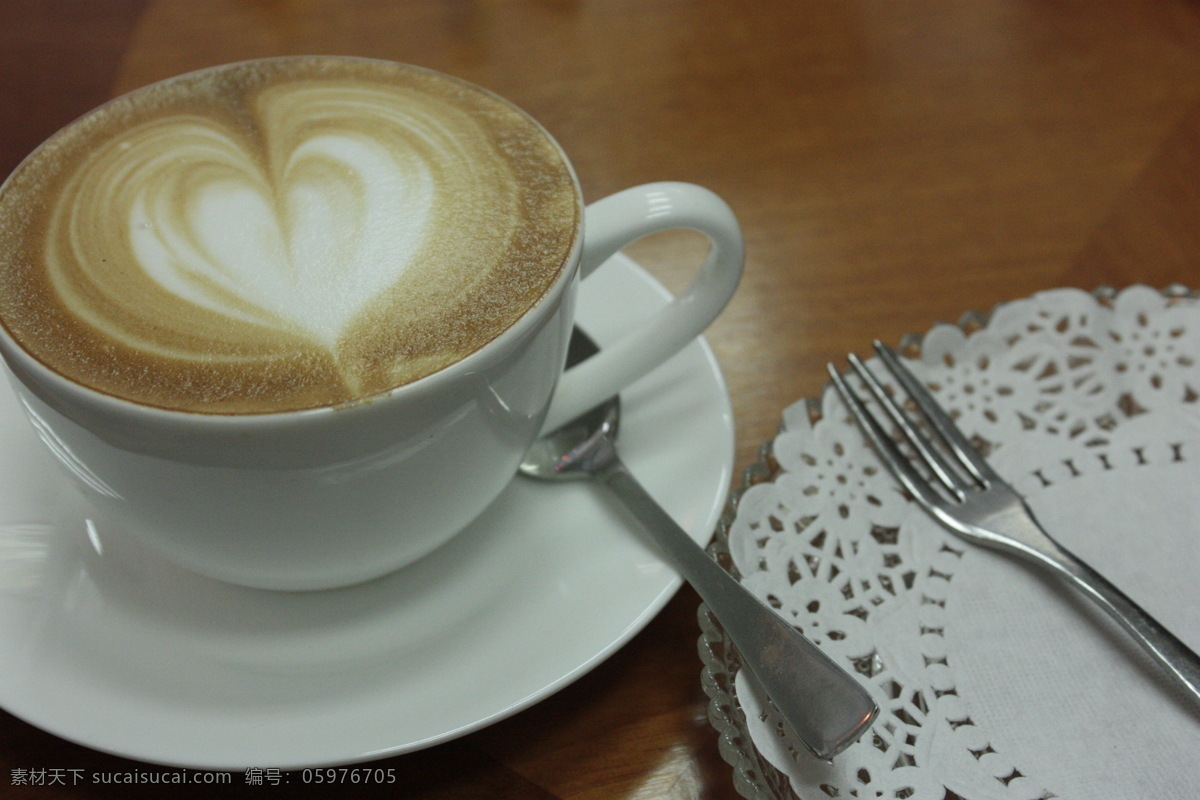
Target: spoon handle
<point x="826" y="707"/>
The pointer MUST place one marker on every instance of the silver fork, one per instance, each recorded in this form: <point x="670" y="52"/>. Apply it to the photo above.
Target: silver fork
<point x="962" y="492"/>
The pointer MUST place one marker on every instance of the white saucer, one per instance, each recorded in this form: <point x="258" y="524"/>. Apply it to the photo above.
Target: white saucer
<point x="110" y="647"/>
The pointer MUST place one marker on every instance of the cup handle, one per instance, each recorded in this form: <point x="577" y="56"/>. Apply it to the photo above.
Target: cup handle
<point x="611" y="224"/>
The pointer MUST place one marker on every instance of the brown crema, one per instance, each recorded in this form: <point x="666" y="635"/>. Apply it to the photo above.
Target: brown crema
<point x="281" y="234"/>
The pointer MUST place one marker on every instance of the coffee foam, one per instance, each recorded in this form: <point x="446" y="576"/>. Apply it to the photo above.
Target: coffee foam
<point x="281" y="234"/>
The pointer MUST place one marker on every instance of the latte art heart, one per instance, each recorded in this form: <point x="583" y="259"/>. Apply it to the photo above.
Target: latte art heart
<point x="341" y="212"/>
<point x="295" y="233"/>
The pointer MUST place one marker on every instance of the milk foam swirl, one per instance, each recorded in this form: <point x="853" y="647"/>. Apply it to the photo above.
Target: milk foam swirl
<point x="282" y="234"/>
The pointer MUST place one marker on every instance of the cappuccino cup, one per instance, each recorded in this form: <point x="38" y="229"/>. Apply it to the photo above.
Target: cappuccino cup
<point x="292" y="323"/>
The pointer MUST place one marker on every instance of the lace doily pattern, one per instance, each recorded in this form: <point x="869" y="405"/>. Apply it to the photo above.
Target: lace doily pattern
<point x="1054" y="388"/>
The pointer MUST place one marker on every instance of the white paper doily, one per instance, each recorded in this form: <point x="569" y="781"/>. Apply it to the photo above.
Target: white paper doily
<point x="995" y="681"/>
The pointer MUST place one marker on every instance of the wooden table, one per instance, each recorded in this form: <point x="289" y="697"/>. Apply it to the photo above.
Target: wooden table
<point x="893" y="165"/>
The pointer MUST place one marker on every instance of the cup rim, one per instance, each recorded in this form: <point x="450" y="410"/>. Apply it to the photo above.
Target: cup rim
<point x="43" y="380"/>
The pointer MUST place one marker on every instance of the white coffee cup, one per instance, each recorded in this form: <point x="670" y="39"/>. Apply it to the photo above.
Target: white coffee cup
<point x="326" y="497"/>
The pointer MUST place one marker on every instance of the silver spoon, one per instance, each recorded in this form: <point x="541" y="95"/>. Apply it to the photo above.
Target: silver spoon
<point x="826" y="707"/>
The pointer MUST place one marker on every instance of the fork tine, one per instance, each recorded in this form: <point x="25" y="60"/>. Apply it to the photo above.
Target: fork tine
<point x="963" y="450"/>
<point x="888" y="451"/>
<point x="941" y="468"/>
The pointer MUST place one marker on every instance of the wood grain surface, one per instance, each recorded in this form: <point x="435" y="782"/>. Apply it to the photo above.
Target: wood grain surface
<point x="893" y="164"/>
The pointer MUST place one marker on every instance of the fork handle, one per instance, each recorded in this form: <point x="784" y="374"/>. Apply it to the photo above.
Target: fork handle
<point x="1179" y="660"/>
<point x="827" y="708"/>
